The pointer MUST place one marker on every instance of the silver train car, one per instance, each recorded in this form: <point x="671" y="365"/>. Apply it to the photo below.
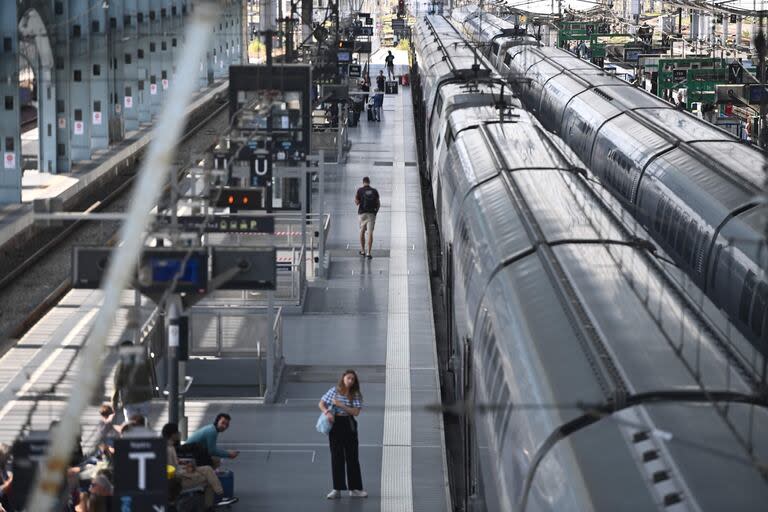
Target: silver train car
<point x="590" y="382"/>
<point x="496" y="34"/>
<point x="694" y="187"/>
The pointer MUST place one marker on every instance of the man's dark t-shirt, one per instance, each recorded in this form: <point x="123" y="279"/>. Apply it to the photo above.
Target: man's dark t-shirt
<point x="390" y="60"/>
<point x="368" y="198"/>
<point x="380" y="82"/>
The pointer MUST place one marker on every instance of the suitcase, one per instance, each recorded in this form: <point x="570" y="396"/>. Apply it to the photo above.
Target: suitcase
<point x="227" y="478"/>
<point x="390" y="87"/>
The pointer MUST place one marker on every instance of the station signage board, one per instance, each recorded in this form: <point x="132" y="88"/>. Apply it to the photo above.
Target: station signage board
<point x="141" y="482"/>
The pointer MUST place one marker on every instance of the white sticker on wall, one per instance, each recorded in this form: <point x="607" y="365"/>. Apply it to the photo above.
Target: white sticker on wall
<point x="129" y="102"/>
<point x="153" y="89"/>
<point x="9" y="160"/>
<point x="165" y="84"/>
<point x="62" y="123"/>
<point x="79" y="127"/>
<point x="97" y="118"/>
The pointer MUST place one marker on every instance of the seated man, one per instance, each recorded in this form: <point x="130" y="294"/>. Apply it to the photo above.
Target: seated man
<point x="192" y="475"/>
<point x="208" y="436"/>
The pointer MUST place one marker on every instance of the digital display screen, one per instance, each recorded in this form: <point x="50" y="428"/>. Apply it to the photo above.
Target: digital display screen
<point x="632" y="55"/>
<point x="343" y="56"/>
<point x="164" y="270"/>
<point x="162" y="267"/>
<point x="755" y="93"/>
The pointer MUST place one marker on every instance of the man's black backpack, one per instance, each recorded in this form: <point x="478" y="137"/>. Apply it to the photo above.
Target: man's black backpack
<point x="369" y="200"/>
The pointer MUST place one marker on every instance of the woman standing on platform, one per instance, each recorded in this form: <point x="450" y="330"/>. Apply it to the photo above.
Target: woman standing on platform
<point x="341" y="404"/>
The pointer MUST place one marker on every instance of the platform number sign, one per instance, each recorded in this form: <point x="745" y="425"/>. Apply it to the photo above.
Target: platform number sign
<point x="141" y="482"/>
<point x="735" y="73"/>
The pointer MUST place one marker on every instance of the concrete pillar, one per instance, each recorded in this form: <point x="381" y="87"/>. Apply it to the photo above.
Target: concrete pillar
<point x="694" y="32"/>
<point x="738" y="31"/>
<point x="155" y="57"/>
<point x="10" y="114"/>
<point x="80" y="76"/>
<point x="130" y="92"/>
<point x="100" y="86"/>
<point x="31" y="27"/>
<point x="62" y="78"/>
<point x="116" y="56"/>
<point x="142" y="62"/>
<point x="167" y="29"/>
<point x="725" y="28"/>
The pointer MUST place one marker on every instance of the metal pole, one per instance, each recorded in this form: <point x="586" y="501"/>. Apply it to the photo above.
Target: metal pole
<point x="321" y="242"/>
<point x="172" y="318"/>
<point x="154" y="171"/>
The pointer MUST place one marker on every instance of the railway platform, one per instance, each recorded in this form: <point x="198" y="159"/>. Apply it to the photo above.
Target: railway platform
<point x="371" y="315"/>
<point x="86" y="176"/>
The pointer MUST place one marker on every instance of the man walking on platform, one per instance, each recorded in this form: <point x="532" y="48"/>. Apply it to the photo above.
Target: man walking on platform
<point x="368" y="204"/>
<point x="390" y="61"/>
<point x="380" y="81"/>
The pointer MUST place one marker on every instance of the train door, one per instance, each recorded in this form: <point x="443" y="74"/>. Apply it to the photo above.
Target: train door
<point x="469" y="451"/>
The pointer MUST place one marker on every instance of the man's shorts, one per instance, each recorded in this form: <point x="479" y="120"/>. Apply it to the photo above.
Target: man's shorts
<point x="367" y="221"/>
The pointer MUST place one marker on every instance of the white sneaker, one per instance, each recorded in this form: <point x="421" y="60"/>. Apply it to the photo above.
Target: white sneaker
<point x="334" y="495"/>
<point x="358" y="494"/>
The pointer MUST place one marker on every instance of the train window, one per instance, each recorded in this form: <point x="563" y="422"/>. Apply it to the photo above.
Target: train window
<point x="665" y="221"/>
<point x="7" y="44"/>
<point x="78" y="75"/>
<point x="152" y="47"/>
<point x="9" y="144"/>
<point x="97" y="106"/>
<point x="507" y="60"/>
<point x="95" y="27"/>
<point x="746" y="296"/>
<point x="127" y="20"/>
<point x="682" y="224"/>
<point x="140" y="53"/>
<point x="58" y="8"/>
<point x="692" y="241"/>
<point x="659" y="212"/>
<point x="163" y="46"/>
<point x="9" y="103"/>
<point x="96" y="69"/>
<point x="128" y="58"/>
<point x="76" y="31"/>
<point x="78" y="114"/>
<point x="759" y="307"/>
<point x="60" y="149"/>
<point x="140" y="17"/>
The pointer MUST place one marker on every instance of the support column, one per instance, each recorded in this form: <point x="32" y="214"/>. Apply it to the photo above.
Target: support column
<point x="166" y="51"/>
<point x="142" y="63"/>
<point x="116" y="52"/>
<point x="725" y="28"/>
<point x="130" y="65"/>
<point x="694" y="32"/>
<point x="80" y="76"/>
<point x="10" y="114"/>
<point x="155" y="58"/>
<point x="99" y="119"/>
<point x="63" y="80"/>
<point x="738" y="31"/>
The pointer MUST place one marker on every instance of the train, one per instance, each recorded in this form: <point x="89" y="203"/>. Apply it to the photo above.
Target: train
<point x="694" y="187"/>
<point x="584" y="378"/>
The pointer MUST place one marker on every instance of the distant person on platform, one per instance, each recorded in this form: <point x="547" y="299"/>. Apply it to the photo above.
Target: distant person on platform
<point x="390" y="61"/>
<point x="132" y="383"/>
<point x="680" y="103"/>
<point x="380" y="80"/>
<point x="378" y="104"/>
<point x="368" y="204"/>
<point x="208" y="436"/>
